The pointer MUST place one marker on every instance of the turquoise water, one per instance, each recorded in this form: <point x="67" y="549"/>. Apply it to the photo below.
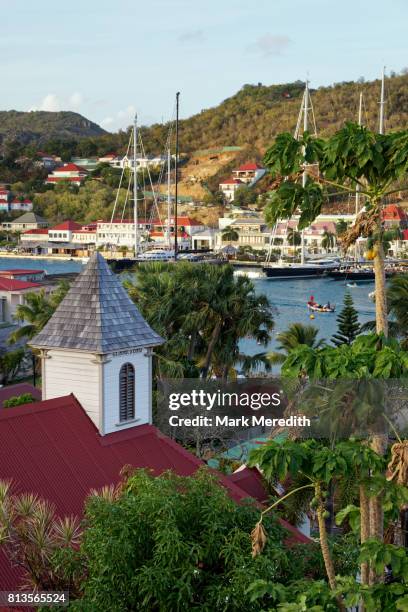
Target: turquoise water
<point x="52" y="266"/>
<point x="288" y="297"/>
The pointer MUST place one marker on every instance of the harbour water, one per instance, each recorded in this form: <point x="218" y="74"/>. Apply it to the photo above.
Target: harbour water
<point x="288" y="297"/>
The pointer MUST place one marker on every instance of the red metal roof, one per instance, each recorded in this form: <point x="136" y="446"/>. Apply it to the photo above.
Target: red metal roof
<point x="53" y="449"/>
<point x="67" y="225"/>
<point x="19" y="272"/>
<point x="57" y="179"/>
<point x="40" y="230"/>
<point x="249" y="166"/>
<point x="70" y="168"/>
<point x="232" y="181"/>
<point x="19" y="389"/>
<point x="11" y="284"/>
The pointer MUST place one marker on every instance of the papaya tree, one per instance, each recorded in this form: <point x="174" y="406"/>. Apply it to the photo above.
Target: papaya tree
<point x="353" y="156"/>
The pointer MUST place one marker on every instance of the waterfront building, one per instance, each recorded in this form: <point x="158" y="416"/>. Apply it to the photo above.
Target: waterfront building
<point x="96" y="410"/>
<point x="68" y="172"/>
<point x="13" y="291"/>
<point x="28" y="221"/>
<point x="63" y="232"/>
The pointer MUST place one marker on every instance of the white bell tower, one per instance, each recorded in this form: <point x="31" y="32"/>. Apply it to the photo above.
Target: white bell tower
<point x="98" y="347"/>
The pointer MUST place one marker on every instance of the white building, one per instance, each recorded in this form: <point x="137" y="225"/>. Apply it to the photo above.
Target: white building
<point x="68" y="172"/>
<point x="142" y="162"/>
<point x="229" y="187"/>
<point x="249" y="173"/>
<point x="25" y="205"/>
<point x="98" y="346"/>
<point x="13" y="293"/>
<point x="63" y="232"/>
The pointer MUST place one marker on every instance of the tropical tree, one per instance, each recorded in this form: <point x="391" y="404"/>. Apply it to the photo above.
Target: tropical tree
<point x="41" y="544"/>
<point x="10" y="364"/>
<point x="36" y="311"/>
<point x="348" y="326"/>
<point x="341" y="227"/>
<point x="353" y="156"/>
<point x="297" y="334"/>
<point x="229" y="234"/>
<point x="293" y="237"/>
<point x="328" y="240"/>
<point x="202" y="311"/>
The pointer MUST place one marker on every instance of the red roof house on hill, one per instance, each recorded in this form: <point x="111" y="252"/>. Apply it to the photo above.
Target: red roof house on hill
<point x="68" y="172"/>
<point x="394" y="215"/>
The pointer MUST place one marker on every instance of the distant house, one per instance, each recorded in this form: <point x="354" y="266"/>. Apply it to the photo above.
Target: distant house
<point x="5" y="198"/>
<point x="63" y="232"/>
<point x="68" y="172"/>
<point x="49" y="162"/>
<point x="229" y="187"/>
<point x="394" y="216"/>
<point x="28" y="221"/>
<point x="25" y="205"/>
<point x="108" y="158"/>
<point x="249" y="173"/>
<point x="12" y="294"/>
<point x="142" y="162"/>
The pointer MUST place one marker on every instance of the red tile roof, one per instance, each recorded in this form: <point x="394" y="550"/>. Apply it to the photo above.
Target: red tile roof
<point x="40" y="230"/>
<point x="11" y="284"/>
<point x="52" y="448"/>
<point x="67" y="225"/>
<point x="232" y="181"/>
<point x="394" y="212"/>
<point x="249" y="166"/>
<point x="187" y="221"/>
<point x="70" y="168"/>
<point x="19" y="389"/>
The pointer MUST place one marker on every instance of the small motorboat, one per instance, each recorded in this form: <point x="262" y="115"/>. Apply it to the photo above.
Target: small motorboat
<point x="352" y="285"/>
<point x="316" y="307"/>
<point x="371" y="296"/>
<point x="320" y="308"/>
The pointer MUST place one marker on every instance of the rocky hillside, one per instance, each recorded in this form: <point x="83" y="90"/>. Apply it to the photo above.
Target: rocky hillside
<point x="38" y="127"/>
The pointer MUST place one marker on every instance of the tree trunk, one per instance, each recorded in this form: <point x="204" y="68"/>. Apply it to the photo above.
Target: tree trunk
<point x="324" y="546"/>
<point x="380" y="290"/>
<point x="379" y="444"/>
<point x="191" y="348"/>
<point x="211" y="345"/>
<point x="364" y="530"/>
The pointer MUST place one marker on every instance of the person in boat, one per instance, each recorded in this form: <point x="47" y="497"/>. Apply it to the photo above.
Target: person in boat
<point x="311" y="301"/>
<point x="327" y="306"/>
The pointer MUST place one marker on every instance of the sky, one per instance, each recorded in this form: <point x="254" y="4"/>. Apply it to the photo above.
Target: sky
<point x="107" y="59"/>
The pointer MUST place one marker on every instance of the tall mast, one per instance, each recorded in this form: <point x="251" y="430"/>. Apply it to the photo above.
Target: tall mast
<point x="304" y="175"/>
<point x="382" y="103"/>
<point x="176" y="176"/>
<point x="168" y="197"/>
<point x="357" y="196"/>
<point x="135" y="216"/>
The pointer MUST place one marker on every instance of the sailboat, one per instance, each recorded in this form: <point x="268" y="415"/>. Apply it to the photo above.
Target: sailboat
<point x="288" y="270"/>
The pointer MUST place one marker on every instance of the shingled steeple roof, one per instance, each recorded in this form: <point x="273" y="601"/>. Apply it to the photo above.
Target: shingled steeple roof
<point x="96" y="315"/>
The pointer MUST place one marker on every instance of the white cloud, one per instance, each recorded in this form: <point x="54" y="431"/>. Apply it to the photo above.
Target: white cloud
<point x="53" y="103"/>
<point x="122" y="119"/>
<point x="271" y="44"/>
<point x="75" y="100"/>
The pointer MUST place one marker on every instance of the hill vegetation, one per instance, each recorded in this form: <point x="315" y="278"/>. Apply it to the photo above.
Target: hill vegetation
<point x="38" y="127"/>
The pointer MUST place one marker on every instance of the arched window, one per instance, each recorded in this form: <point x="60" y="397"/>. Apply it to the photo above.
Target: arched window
<point x="126" y="392"/>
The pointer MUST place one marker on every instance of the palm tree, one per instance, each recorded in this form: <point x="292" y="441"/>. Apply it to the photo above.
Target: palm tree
<point x="293" y="237"/>
<point x="328" y="240"/>
<point x="229" y="234"/>
<point x="293" y="337"/>
<point x="36" y="311"/>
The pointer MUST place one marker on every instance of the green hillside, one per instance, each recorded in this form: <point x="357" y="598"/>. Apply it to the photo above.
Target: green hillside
<point x="257" y="113"/>
<point x="38" y="127"/>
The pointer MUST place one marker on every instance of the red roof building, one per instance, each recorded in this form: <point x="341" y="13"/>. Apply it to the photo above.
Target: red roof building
<point x="52" y="448"/>
<point x="393" y="215"/>
<point x="68" y="172"/>
<point x="67" y="225"/>
<point x="17" y="390"/>
<point x="11" y="284"/>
